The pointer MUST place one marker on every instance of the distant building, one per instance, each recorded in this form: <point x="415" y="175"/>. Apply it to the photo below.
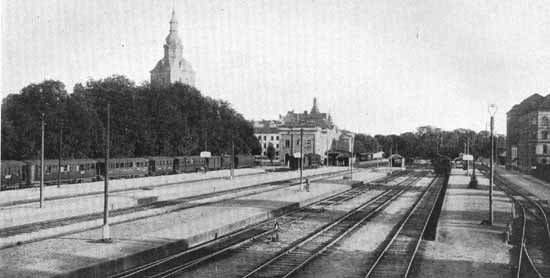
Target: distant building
<point x="267" y="133"/>
<point x="173" y="67"/>
<point x="319" y="135"/>
<point x="528" y="133"/>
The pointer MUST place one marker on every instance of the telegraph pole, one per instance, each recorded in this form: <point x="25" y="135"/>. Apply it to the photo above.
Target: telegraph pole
<point x="492" y="111"/>
<point x="59" y="153"/>
<point x="232" y="156"/>
<point x="106" y="230"/>
<point x="301" y="157"/>
<point x="352" y="141"/>
<point x="42" y="163"/>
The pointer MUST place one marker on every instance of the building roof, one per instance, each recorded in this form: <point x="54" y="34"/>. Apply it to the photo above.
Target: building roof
<point x="258" y="130"/>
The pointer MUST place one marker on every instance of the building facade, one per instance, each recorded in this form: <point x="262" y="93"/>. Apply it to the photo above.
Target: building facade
<point x="172" y="67"/>
<point x="315" y="129"/>
<point x="267" y="133"/>
<point x="528" y="133"/>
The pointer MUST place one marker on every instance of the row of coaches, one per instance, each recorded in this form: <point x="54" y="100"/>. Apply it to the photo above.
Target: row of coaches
<point x="18" y="174"/>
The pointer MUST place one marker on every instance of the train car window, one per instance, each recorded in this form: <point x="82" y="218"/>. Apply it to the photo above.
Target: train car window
<point x="77" y="167"/>
<point x="82" y="167"/>
<point x="68" y="168"/>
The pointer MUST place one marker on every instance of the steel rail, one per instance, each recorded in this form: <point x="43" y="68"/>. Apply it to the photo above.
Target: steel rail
<point x="400" y="229"/>
<point x="325" y="245"/>
<point x="136" y="270"/>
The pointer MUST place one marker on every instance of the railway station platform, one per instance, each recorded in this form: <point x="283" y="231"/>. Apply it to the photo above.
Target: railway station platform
<point x="463" y="246"/>
<point x="83" y="254"/>
<point x="129" y="201"/>
<point x="52" y="192"/>
<point x="535" y="186"/>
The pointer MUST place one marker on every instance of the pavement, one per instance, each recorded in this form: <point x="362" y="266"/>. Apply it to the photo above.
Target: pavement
<point x="82" y="254"/>
<point x="535" y="186"/>
<point x="464" y="247"/>
<point x="26" y="214"/>
<point x="13" y="197"/>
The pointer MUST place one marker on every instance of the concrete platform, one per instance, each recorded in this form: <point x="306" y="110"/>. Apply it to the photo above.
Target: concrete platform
<point x="70" y="207"/>
<point x="81" y="255"/>
<point x="535" y="186"/>
<point x="22" y="196"/>
<point x="464" y="247"/>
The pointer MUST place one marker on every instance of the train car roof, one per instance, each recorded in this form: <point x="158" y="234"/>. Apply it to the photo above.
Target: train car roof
<point x="64" y="161"/>
<point x="12" y="162"/>
<point x="118" y="159"/>
<point x="160" y="157"/>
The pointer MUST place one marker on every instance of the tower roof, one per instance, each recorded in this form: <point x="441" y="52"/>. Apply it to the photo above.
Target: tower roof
<point x="173" y="38"/>
<point x="314" y="109"/>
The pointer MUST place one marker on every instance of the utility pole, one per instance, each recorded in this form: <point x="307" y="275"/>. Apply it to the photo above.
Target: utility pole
<point x="232" y="156"/>
<point x="42" y="163"/>
<point x="59" y="153"/>
<point x="106" y="230"/>
<point x="492" y="111"/>
<point x="352" y="141"/>
<point x="301" y="157"/>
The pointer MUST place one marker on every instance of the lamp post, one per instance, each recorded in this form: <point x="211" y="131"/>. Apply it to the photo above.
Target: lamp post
<point x="301" y="157"/>
<point x="492" y="111"/>
<point x="352" y="143"/>
<point x="42" y="124"/>
<point x="106" y="230"/>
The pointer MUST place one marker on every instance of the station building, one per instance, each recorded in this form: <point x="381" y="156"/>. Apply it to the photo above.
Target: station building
<point x="528" y="133"/>
<point x="318" y="134"/>
<point x="173" y="67"/>
<point x="267" y="133"/>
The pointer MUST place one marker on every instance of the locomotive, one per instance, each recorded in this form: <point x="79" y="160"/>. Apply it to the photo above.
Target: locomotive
<point x="20" y="174"/>
<point x="442" y="165"/>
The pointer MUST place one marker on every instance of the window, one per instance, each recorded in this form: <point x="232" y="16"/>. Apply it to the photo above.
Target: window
<point x="265" y="137"/>
<point x="265" y="153"/>
<point x="48" y="169"/>
<point x="277" y="153"/>
<point x="277" y="146"/>
<point x="297" y="142"/>
<point x="271" y="138"/>
<point x="287" y="143"/>
<point x="545" y="149"/>
<point x="77" y="167"/>
<point x="545" y="121"/>
<point x="277" y="138"/>
<point x="260" y="138"/>
<point x="544" y="134"/>
<point x="264" y="146"/>
<point x="308" y="143"/>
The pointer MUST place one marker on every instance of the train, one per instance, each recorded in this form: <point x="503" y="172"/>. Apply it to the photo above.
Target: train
<point x="442" y="165"/>
<point x="310" y="161"/>
<point x="21" y="174"/>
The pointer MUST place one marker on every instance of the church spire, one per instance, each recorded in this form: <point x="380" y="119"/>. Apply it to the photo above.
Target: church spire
<point x="314" y="109"/>
<point x="173" y="23"/>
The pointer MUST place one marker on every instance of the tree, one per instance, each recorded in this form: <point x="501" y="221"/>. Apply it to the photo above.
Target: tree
<point x="270" y="152"/>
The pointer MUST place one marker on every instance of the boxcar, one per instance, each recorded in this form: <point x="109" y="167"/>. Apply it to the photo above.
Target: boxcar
<point x="161" y="165"/>
<point x="125" y="167"/>
<point x="214" y="162"/>
<point x="244" y="161"/>
<point x="71" y="171"/>
<point x="187" y="164"/>
<point x="13" y="174"/>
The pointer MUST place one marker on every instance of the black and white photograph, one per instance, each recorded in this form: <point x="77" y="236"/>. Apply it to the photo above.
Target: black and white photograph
<point x="275" y="138"/>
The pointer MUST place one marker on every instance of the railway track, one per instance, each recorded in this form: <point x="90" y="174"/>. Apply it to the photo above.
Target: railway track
<point x="315" y="243"/>
<point x="396" y="258"/>
<point x="171" y="205"/>
<point x="534" y="241"/>
<point x="99" y="193"/>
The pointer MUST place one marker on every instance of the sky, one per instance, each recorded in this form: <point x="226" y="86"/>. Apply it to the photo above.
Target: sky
<point x="378" y="67"/>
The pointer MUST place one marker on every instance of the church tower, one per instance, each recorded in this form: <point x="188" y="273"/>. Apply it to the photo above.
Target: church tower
<point x="173" y="67"/>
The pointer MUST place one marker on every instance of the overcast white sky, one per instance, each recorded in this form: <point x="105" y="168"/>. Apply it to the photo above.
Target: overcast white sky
<point x="384" y="66"/>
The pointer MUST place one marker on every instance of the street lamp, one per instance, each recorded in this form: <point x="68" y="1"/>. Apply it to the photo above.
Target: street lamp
<point x="492" y="111"/>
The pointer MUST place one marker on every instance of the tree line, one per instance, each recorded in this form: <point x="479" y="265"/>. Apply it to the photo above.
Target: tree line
<point x="428" y="141"/>
<point x="145" y="121"/>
